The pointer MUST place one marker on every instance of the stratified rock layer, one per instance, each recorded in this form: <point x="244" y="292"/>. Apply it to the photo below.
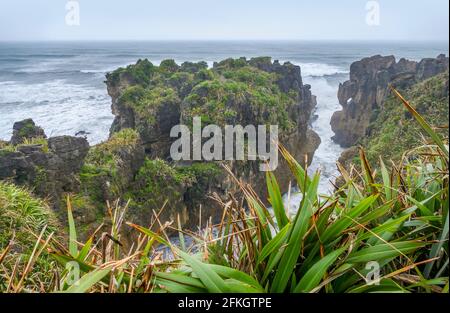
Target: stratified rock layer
<point x="363" y="95"/>
<point x="50" y="167"/>
<point x="152" y="99"/>
<point x="134" y="165"/>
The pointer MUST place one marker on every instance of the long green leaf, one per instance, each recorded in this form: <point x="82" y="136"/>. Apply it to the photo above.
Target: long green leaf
<point x="273" y="244"/>
<point x="315" y="274"/>
<point x="276" y="200"/>
<point x="210" y="278"/>
<point x="236" y="275"/>
<point x="87" y="281"/>
<point x="346" y="221"/>
<point x="384" y="251"/>
<point x="85" y="250"/>
<point x="236" y="286"/>
<point x="425" y="126"/>
<point x="176" y="287"/>
<point x="436" y="248"/>
<point x="73" y="249"/>
<point x="180" y="279"/>
<point x="391" y="226"/>
<point x="301" y="224"/>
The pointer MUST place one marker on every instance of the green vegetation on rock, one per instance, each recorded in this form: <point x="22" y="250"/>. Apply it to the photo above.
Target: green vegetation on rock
<point x="218" y="94"/>
<point x="157" y="181"/>
<point x="102" y="164"/>
<point x="35" y="141"/>
<point x="140" y="73"/>
<point x="146" y="101"/>
<point x="393" y="129"/>
<point x="23" y="217"/>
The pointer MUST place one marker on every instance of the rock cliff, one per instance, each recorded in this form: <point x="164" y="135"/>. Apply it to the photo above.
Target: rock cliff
<point x="363" y="96"/>
<point x="152" y="99"/>
<point x="134" y="165"/>
<point x="395" y="130"/>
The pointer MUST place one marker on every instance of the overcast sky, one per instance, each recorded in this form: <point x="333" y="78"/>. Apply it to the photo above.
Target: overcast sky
<point x="224" y="19"/>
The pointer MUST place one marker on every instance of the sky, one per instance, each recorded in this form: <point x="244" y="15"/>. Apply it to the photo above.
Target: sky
<point x="408" y="20"/>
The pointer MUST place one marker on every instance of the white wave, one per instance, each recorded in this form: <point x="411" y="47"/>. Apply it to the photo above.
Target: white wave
<point x="328" y="152"/>
<point x="60" y="108"/>
<point x="93" y="71"/>
<point x="8" y="82"/>
<point x="321" y="69"/>
<point x="102" y="70"/>
<point x="43" y="66"/>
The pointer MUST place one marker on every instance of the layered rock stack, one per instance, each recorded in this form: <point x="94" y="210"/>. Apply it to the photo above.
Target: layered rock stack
<point x="152" y="99"/>
<point x="363" y="95"/>
<point x="134" y="164"/>
<point x="49" y="166"/>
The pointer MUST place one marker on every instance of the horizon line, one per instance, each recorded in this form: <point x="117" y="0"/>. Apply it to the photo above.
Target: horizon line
<point x="228" y="40"/>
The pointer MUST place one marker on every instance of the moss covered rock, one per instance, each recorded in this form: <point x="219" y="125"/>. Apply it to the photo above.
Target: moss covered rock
<point x="26" y="130"/>
<point x="394" y="124"/>
<point x="153" y="99"/>
<point x="110" y="167"/>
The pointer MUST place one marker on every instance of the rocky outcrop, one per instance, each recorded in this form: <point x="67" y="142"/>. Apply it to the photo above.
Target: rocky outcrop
<point x="134" y="165"/>
<point x="152" y="99"/>
<point x="50" y="167"/>
<point x="364" y="94"/>
<point x="26" y="130"/>
<point x="395" y="130"/>
<point x="110" y="167"/>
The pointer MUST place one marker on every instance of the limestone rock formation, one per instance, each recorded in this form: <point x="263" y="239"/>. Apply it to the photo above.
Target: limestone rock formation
<point x="364" y="94"/>
<point x="152" y="99"/>
<point x="395" y="130"/>
<point x="49" y="167"/>
<point x="134" y="165"/>
<point x="110" y="167"/>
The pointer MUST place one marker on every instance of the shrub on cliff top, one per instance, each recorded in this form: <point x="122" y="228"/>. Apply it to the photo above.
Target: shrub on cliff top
<point x="217" y="94"/>
<point x="169" y="66"/>
<point x="230" y="63"/>
<point x="102" y="164"/>
<point x="140" y="73"/>
<point x="194" y="67"/>
<point x="251" y="75"/>
<point x="220" y="100"/>
<point x="146" y="101"/>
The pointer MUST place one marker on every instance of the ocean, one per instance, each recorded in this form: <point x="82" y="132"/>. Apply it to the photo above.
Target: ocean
<point x="61" y="84"/>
